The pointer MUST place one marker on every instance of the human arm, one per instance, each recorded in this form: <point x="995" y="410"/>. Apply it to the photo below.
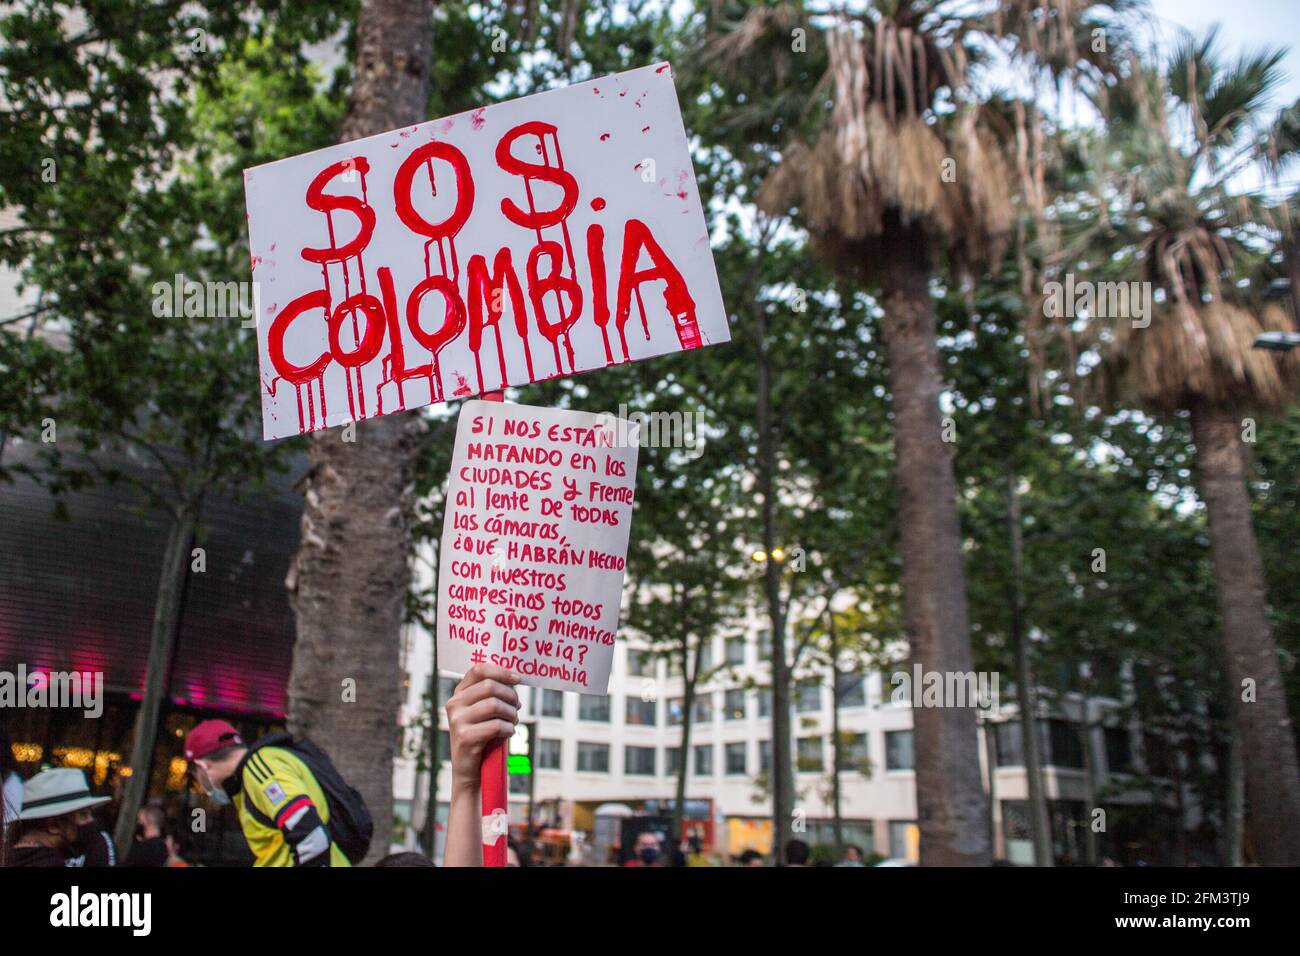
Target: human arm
<point x="484" y="707"/>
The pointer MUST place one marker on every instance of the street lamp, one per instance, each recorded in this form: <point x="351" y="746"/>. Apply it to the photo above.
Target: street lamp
<point x="1277" y="341"/>
<point x="777" y="555"/>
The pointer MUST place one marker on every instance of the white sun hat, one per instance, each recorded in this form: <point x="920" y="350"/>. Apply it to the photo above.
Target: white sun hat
<point x="52" y="793"/>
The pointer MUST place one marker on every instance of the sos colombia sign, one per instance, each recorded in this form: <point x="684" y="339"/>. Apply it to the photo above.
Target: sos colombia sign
<point x="535" y="238"/>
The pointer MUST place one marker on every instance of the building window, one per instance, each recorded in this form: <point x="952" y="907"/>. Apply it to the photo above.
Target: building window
<point x="673" y="760"/>
<point x="640" y="713"/>
<point x="808" y="696"/>
<point x="676" y="711"/>
<point x="1058" y="744"/>
<point x="639" y="761"/>
<point x="593" y="708"/>
<point x="735" y="705"/>
<point x="736" y="651"/>
<point x="854" y="755"/>
<point x="593" y="758"/>
<point x="640" y="664"/>
<point x="1159" y="755"/>
<point x="901" y="839"/>
<point x="852" y="690"/>
<point x="446" y="688"/>
<point x="895" y="680"/>
<point x="809" y="755"/>
<point x="518" y="783"/>
<point x="765" y="645"/>
<point x="735" y="757"/>
<point x="1065" y="749"/>
<point x="764" y="756"/>
<point x="898" y="750"/>
<point x="552" y="703"/>
<point x="706" y="657"/>
<point x="1119" y="750"/>
<point x="765" y="702"/>
<point x="704" y="709"/>
<point x="444" y="746"/>
<point x="548" y="754"/>
<point x="704" y="760"/>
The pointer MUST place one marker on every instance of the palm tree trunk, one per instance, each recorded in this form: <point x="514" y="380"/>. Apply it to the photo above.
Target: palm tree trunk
<point x="951" y="804"/>
<point x="349" y="580"/>
<point x="1236" y="803"/>
<point x="1267" y="737"/>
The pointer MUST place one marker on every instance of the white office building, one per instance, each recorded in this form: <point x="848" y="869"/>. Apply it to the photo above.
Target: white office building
<point x="624" y="749"/>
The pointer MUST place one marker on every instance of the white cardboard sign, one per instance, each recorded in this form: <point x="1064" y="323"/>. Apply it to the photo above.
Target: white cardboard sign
<point x="534" y="543"/>
<point x="535" y="238"/>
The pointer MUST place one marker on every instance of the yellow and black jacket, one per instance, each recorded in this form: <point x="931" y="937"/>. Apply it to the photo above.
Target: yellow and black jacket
<point x="283" y="811"/>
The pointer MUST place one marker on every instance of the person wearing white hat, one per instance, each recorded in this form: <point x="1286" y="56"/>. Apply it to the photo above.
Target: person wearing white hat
<point x="56" y="827"/>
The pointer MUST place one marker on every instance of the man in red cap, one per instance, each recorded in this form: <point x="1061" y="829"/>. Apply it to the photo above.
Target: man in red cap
<point x="283" y="809"/>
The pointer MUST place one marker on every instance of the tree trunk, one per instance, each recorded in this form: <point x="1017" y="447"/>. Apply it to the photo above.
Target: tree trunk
<point x="1267" y="738"/>
<point x="1291" y="253"/>
<point x="1038" y="820"/>
<point x="349" y="580"/>
<point x="689" y="676"/>
<point x="991" y="756"/>
<point x="782" y="764"/>
<point x="951" y="804"/>
<point x="430" y="835"/>
<point x="837" y="746"/>
<point x="1084" y="729"/>
<point x="1235" y="814"/>
<point x="166" y="619"/>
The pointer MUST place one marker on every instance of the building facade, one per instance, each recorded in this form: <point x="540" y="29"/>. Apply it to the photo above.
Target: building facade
<point x="624" y="749"/>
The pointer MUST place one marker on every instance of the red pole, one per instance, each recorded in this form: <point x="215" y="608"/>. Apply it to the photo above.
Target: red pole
<point x="492" y="778"/>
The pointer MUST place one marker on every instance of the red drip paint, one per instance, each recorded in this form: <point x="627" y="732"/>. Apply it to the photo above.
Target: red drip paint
<point x="677" y="297"/>
<point x="462" y="386"/>
<point x="539" y="285"/>
<point x="598" y="204"/>
<point x="604" y="137"/>
<point x="491" y="289"/>
<point x="599" y="293"/>
<point x="537" y="221"/>
<point x="476" y="118"/>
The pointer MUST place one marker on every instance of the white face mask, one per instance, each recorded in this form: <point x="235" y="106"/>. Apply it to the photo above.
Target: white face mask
<point x="214" y="793"/>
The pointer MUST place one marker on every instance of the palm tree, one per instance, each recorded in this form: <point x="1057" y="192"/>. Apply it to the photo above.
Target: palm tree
<point x="907" y="172"/>
<point x="349" y="579"/>
<point x="1163" y="211"/>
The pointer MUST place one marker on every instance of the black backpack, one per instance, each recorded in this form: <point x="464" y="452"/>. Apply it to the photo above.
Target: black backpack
<point x="350" y="825"/>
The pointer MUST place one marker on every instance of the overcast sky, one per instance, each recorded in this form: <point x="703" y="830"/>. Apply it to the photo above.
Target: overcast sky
<point x="1243" y="25"/>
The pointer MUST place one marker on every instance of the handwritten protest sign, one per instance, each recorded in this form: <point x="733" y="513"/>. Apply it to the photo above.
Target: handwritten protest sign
<point x="534" y="543"/>
<point x="539" y="237"/>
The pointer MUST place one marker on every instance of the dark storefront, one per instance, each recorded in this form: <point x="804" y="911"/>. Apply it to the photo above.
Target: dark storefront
<point x="77" y="594"/>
